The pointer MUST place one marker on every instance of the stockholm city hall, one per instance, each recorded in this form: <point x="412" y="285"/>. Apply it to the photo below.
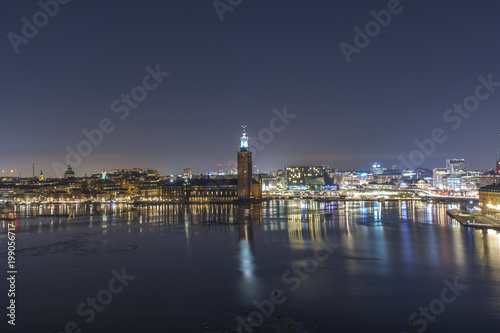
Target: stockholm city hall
<point x="248" y="188"/>
<point x="244" y="169"/>
<point x="243" y="189"/>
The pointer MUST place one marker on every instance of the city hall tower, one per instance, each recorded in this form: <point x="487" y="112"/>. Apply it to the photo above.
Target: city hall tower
<point x="244" y="168"/>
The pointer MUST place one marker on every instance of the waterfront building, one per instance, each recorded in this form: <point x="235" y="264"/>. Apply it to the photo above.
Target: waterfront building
<point x="489" y="197"/>
<point x="219" y="189"/>
<point x="203" y="190"/>
<point x="381" y="186"/>
<point x="303" y="176"/>
<point x="270" y="183"/>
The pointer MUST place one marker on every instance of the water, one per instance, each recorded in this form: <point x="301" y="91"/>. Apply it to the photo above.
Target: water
<point x="352" y="267"/>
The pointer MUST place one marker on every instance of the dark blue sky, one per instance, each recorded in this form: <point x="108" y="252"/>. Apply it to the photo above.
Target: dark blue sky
<point x="265" y="54"/>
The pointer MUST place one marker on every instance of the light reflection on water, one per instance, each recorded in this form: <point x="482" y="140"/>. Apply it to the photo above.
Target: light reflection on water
<point x="393" y="257"/>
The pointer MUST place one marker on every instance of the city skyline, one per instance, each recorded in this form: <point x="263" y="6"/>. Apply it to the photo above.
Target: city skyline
<point x="200" y="85"/>
<point x="250" y="165"/>
<point x="222" y="167"/>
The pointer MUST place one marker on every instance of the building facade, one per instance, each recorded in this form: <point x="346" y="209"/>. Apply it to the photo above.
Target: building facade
<point x="300" y="175"/>
<point x="439" y="176"/>
<point x="489" y="197"/>
<point x="456" y="165"/>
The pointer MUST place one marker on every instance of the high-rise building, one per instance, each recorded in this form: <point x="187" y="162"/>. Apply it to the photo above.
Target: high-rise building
<point x="377" y="169"/>
<point x="456" y="165"/>
<point x="244" y="168"/>
<point x="439" y="175"/>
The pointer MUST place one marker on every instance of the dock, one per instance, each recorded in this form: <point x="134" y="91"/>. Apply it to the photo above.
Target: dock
<point x="476" y="220"/>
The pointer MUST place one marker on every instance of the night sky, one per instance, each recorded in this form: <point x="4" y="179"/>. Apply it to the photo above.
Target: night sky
<point x="264" y="55"/>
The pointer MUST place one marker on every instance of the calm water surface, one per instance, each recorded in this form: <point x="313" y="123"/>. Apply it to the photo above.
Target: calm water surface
<point x="352" y="267"/>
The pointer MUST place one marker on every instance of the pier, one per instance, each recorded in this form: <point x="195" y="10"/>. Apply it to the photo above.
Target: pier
<point x="474" y="220"/>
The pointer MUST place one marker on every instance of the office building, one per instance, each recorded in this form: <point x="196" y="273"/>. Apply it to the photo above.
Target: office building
<point x="456" y="165"/>
<point x="297" y="175"/>
<point x="377" y="169"/>
<point x="439" y="175"/>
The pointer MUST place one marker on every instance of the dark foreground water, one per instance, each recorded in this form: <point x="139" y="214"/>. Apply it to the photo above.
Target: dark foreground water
<point x="352" y="267"/>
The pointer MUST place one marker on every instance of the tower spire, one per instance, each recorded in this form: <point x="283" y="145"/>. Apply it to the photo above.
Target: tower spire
<point x="244" y="139"/>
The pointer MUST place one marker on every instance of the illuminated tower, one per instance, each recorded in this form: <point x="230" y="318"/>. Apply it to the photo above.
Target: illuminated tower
<point x="244" y="168"/>
<point x="498" y="153"/>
